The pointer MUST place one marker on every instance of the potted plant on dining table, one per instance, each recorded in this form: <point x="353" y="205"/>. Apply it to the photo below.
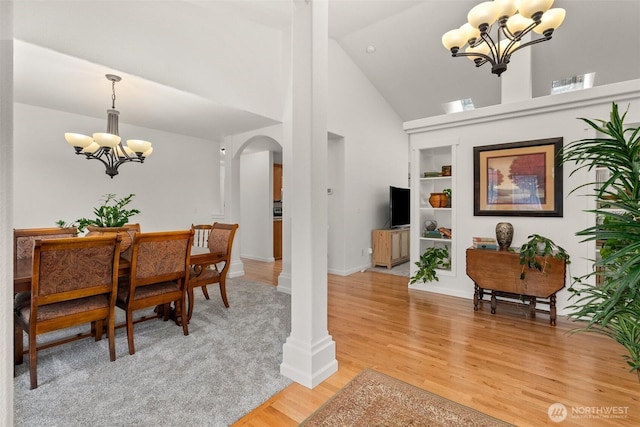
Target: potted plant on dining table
<point x="110" y="217"/>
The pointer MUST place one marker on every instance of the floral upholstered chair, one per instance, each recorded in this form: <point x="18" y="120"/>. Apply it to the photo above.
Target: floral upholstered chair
<point x="24" y="239"/>
<point x="159" y="274"/>
<point x="74" y="282"/>
<point x="220" y="240"/>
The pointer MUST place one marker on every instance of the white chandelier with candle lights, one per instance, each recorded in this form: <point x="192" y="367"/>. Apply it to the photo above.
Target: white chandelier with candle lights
<point x="496" y="30"/>
<point x="107" y="146"/>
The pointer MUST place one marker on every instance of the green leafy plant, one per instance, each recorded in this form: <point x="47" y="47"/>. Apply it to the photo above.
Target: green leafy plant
<point x="432" y="259"/>
<point x="540" y="248"/>
<point x="612" y="309"/>
<point x="447" y="191"/>
<point x="111" y="213"/>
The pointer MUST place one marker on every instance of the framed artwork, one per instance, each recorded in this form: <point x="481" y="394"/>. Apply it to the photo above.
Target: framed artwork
<point x="518" y="179"/>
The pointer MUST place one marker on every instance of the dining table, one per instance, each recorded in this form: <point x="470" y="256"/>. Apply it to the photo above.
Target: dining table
<point x="200" y="258"/>
<point x="23" y="268"/>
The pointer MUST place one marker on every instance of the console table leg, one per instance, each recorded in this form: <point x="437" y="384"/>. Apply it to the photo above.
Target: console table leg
<point x="532" y="307"/>
<point x="494" y="302"/>
<point x="552" y="309"/>
<point x="476" y="297"/>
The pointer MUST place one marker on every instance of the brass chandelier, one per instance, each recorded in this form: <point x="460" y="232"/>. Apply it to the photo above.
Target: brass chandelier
<point x="107" y="146"/>
<point x="514" y="18"/>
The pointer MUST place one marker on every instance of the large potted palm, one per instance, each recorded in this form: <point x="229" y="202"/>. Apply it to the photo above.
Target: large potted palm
<point x="613" y="308"/>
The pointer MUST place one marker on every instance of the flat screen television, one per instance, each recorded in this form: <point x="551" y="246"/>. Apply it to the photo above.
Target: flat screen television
<point x="399" y="207"/>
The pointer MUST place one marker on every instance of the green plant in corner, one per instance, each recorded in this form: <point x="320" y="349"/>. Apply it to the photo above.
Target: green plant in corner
<point x="613" y="308"/>
<point x="540" y="248"/>
<point x="432" y="259"/>
<point x="111" y="213"/>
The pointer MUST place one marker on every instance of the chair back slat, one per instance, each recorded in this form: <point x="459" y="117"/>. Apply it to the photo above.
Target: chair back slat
<point x="201" y="234"/>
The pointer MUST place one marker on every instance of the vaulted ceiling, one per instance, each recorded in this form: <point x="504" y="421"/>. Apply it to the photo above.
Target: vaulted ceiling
<point x="64" y="48"/>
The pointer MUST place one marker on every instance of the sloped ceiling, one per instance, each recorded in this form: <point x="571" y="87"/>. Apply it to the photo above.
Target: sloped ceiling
<point x="206" y="68"/>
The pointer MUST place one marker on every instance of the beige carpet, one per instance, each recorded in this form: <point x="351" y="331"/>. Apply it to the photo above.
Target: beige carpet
<point x="375" y="399"/>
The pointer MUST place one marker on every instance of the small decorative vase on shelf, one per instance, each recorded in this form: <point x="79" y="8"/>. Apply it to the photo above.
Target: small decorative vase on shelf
<point x="438" y="200"/>
<point x="504" y="235"/>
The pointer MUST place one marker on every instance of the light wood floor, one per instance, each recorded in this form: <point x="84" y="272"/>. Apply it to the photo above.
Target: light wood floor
<point x="505" y="365"/>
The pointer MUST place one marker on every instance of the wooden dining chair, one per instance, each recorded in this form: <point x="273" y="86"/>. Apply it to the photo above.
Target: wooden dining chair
<point x="24" y="239"/>
<point x="201" y="275"/>
<point x="201" y="234"/>
<point x="74" y="282"/>
<point x="23" y="243"/>
<point x="158" y="277"/>
<point x="134" y="228"/>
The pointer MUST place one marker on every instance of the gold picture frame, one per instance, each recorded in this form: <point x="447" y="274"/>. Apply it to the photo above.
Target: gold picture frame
<point x="518" y="179"/>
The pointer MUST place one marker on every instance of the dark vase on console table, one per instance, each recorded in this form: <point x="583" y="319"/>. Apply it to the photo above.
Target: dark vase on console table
<point x="504" y="235"/>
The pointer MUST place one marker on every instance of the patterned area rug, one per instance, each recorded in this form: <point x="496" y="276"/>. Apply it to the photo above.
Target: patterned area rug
<point x="372" y="398"/>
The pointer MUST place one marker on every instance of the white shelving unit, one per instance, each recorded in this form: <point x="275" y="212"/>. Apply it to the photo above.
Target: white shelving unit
<point x="427" y="158"/>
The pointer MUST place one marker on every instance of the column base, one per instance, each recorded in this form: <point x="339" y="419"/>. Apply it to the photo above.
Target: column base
<point x="284" y="282"/>
<point x="236" y="269"/>
<point x="309" y="364"/>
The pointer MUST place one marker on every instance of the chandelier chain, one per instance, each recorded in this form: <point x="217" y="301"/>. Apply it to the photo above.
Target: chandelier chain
<point x="113" y="94"/>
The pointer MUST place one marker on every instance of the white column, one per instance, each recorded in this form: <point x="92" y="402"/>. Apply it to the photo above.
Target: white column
<point x="6" y="212"/>
<point x="517" y="82"/>
<point x="309" y="353"/>
<point x="284" y="278"/>
<point x="232" y="202"/>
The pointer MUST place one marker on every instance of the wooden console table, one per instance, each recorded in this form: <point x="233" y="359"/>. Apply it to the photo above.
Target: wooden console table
<point x="497" y="273"/>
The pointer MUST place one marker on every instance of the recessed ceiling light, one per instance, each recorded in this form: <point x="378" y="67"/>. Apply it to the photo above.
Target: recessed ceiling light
<point x="371" y="49"/>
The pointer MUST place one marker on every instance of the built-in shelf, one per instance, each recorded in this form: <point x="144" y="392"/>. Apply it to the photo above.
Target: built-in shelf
<point x="432" y="158"/>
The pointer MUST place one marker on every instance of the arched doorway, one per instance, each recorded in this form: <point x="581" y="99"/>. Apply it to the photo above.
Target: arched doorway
<point x="256" y="159"/>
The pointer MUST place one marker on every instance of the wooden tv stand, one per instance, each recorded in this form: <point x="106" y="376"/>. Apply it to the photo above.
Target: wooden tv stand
<point x="390" y="247"/>
<point x="497" y="273"/>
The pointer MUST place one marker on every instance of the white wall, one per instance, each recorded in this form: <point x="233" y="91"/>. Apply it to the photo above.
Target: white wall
<point x="544" y="117"/>
<point x="6" y="213"/>
<point x="176" y="186"/>
<point x="256" y="197"/>
<point x="368" y="152"/>
<point x="376" y="155"/>
<point x="335" y="205"/>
